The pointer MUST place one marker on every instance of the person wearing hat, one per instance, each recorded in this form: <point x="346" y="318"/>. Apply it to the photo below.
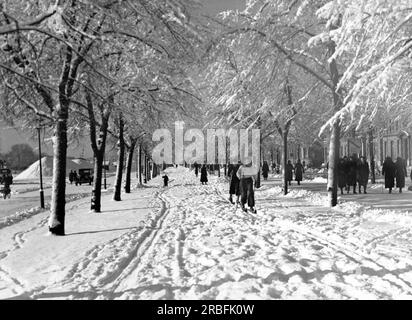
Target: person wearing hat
<point x="247" y="175"/>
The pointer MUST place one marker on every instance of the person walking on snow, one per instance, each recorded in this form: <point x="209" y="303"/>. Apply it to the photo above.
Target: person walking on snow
<point x="400" y="173"/>
<point x="203" y="174"/>
<point x="165" y="180"/>
<point x="234" y="187"/>
<point x="289" y="172"/>
<point x="362" y="173"/>
<point x="351" y="173"/>
<point x="299" y="172"/>
<point x="247" y="175"/>
<point x="388" y="170"/>
<point x="341" y="175"/>
<point x="265" y="170"/>
<point x="196" y="169"/>
<point x="71" y="176"/>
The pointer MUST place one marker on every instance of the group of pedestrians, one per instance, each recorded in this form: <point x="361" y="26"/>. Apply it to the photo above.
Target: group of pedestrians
<point x="394" y="170"/>
<point x="353" y="171"/>
<point x="298" y="169"/>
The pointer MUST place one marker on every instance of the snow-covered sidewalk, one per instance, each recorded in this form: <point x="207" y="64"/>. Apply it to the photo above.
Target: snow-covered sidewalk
<point x="187" y="241"/>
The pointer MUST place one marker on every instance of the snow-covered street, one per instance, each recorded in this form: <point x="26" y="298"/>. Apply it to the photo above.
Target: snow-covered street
<point x="187" y="241"/>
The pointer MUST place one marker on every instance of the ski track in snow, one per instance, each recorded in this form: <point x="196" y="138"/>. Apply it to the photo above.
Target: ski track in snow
<point x="196" y="245"/>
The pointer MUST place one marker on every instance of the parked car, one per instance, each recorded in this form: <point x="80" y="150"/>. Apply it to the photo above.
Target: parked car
<point x="85" y="176"/>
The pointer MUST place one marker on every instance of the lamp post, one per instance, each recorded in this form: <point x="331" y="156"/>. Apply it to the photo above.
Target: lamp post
<point x="40" y="167"/>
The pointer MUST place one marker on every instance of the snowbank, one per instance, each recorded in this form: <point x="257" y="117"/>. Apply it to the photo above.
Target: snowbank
<point x="319" y="180"/>
<point x="33" y="172"/>
<point x="179" y="169"/>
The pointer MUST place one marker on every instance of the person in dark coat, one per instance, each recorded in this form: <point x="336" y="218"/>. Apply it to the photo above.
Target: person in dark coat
<point x="351" y="173"/>
<point x="165" y="180"/>
<point x="71" y="176"/>
<point x="299" y="172"/>
<point x="400" y="173"/>
<point x="75" y="177"/>
<point x="389" y="170"/>
<point x="265" y="170"/>
<point x="289" y="172"/>
<point x="196" y="169"/>
<point x="362" y="173"/>
<point x="341" y="174"/>
<point x="234" y="187"/>
<point x="203" y="174"/>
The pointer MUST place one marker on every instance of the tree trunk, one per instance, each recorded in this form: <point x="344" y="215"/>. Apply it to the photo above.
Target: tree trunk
<point x="58" y="202"/>
<point x="145" y="168"/>
<point x="97" y="182"/>
<point x="285" y="161"/>
<point x="372" y="157"/>
<point x="129" y="166"/>
<point x="140" y="164"/>
<point x="334" y="144"/>
<point x="120" y="160"/>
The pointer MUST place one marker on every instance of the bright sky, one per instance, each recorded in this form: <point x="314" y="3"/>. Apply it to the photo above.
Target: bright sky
<point x="216" y="6"/>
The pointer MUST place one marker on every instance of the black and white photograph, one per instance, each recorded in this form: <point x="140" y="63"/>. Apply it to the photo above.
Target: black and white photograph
<point x="225" y="151"/>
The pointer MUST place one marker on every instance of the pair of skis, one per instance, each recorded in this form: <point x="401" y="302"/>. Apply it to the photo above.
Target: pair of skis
<point x="244" y="208"/>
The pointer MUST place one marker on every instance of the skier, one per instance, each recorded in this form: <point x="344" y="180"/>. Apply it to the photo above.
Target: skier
<point x="247" y="176"/>
<point x="265" y="170"/>
<point x="388" y="170"/>
<point x="203" y="174"/>
<point x="289" y="172"/>
<point x="400" y="173"/>
<point x="165" y="180"/>
<point x="299" y="171"/>
<point x="362" y="173"/>
<point x="234" y="187"/>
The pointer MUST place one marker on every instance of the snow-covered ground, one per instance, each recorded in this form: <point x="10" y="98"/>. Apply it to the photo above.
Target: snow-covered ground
<point x="187" y="241"/>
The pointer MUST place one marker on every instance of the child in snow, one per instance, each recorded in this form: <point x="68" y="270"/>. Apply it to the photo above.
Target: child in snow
<point x="165" y="180"/>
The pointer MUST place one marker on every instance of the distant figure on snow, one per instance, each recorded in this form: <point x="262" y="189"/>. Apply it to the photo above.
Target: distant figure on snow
<point x="389" y="170"/>
<point x="265" y="170"/>
<point x="289" y="172"/>
<point x="351" y="164"/>
<point x="362" y="173"/>
<point x="71" y="176"/>
<point x="196" y="169"/>
<point x="203" y="174"/>
<point x="341" y="174"/>
<point x="400" y="173"/>
<point x="165" y="180"/>
<point x="234" y="187"/>
<point x="299" y="172"/>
